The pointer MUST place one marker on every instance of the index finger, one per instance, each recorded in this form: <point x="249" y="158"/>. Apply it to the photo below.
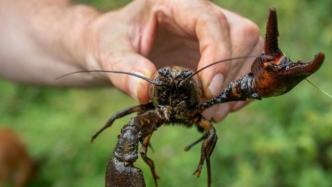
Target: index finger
<point x="210" y="26"/>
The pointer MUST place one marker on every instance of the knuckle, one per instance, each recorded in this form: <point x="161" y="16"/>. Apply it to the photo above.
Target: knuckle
<point x="221" y="16"/>
<point x="245" y="37"/>
<point x="252" y="29"/>
<point x="250" y="32"/>
<point x="222" y="19"/>
<point x="205" y="19"/>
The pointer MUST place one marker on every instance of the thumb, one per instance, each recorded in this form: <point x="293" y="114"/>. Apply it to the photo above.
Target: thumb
<point x="134" y="63"/>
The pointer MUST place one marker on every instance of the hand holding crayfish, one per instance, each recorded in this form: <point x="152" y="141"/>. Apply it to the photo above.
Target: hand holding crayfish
<point x="140" y="37"/>
<point x="177" y="99"/>
<point x="185" y="33"/>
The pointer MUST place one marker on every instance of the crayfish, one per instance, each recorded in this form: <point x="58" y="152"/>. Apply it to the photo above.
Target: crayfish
<point x="177" y="99"/>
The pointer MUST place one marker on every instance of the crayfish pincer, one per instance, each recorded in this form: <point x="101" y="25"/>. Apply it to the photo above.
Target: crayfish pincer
<point x="177" y="99"/>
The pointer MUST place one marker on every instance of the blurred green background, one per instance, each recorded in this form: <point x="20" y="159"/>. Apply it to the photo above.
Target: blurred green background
<point x="283" y="141"/>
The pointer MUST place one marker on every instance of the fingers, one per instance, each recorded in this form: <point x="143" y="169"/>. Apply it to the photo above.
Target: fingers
<point x="214" y="42"/>
<point x="211" y="28"/>
<point x="221" y="35"/>
<point x="134" y="63"/>
<point x="219" y="112"/>
<point x="202" y="21"/>
<point x="114" y="41"/>
<point x="244" y="33"/>
<point x="224" y="36"/>
<point x="238" y="105"/>
<point x="245" y="40"/>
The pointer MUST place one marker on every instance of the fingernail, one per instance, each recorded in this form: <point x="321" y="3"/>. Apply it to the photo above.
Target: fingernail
<point x="134" y="84"/>
<point x="216" y="84"/>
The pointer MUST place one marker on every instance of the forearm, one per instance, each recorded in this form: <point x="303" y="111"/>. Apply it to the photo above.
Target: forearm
<point x="42" y="39"/>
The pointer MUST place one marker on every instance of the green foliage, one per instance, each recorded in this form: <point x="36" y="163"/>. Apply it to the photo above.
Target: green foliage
<point x="284" y="141"/>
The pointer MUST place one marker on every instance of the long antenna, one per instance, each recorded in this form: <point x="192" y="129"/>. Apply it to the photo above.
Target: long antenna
<point x="108" y="71"/>
<point x="220" y="61"/>
<point x="318" y="88"/>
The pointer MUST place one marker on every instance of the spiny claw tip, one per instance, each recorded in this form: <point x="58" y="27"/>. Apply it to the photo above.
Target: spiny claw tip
<point x="272" y="9"/>
<point x="320" y="56"/>
<point x="317" y="62"/>
<point x="271" y="36"/>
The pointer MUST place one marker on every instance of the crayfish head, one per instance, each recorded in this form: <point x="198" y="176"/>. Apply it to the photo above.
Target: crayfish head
<point x="174" y="88"/>
<point x="276" y="76"/>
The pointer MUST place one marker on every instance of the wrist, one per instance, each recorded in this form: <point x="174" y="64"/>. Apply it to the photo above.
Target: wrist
<point x="60" y="31"/>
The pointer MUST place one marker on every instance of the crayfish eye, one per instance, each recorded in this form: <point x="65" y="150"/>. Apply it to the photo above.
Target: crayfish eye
<point x="164" y="72"/>
<point x="187" y="74"/>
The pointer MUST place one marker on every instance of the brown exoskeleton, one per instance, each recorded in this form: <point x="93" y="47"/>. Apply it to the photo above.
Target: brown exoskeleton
<point x="176" y="99"/>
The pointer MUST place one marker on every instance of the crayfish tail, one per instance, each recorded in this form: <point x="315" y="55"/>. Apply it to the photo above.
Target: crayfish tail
<point x="121" y="171"/>
<point x="119" y="174"/>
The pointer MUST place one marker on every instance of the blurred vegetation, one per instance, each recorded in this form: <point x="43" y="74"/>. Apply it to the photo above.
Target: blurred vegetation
<point x="283" y="141"/>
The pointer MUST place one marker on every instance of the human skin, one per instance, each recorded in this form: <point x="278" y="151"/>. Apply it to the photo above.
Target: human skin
<point x="43" y="39"/>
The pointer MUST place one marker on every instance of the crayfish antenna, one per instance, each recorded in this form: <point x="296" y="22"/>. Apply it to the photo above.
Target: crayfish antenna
<point x="271" y="37"/>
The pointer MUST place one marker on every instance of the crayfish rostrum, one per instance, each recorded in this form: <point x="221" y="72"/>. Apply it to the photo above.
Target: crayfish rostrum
<point x="176" y="99"/>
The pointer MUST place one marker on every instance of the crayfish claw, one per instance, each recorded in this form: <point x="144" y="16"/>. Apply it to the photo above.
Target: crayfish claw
<point x="315" y="64"/>
<point x="271" y="37"/>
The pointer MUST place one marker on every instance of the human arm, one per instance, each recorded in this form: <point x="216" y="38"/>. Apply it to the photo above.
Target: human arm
<point x="41" y="40"/>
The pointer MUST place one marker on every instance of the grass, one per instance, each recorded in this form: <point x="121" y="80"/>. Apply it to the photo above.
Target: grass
<point x="283" y="141"/>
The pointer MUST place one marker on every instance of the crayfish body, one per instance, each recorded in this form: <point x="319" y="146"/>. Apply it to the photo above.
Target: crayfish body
<point x="177" y="99"/>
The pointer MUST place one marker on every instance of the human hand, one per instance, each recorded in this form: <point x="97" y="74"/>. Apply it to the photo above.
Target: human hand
<point x="153" y="33"/>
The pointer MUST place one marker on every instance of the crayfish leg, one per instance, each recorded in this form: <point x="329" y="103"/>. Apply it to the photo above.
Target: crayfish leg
<point x="147" y="160"/>
<point x="188" y="147"/>
<point x="118" y="115"/>
<point x="207" y="148"/>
